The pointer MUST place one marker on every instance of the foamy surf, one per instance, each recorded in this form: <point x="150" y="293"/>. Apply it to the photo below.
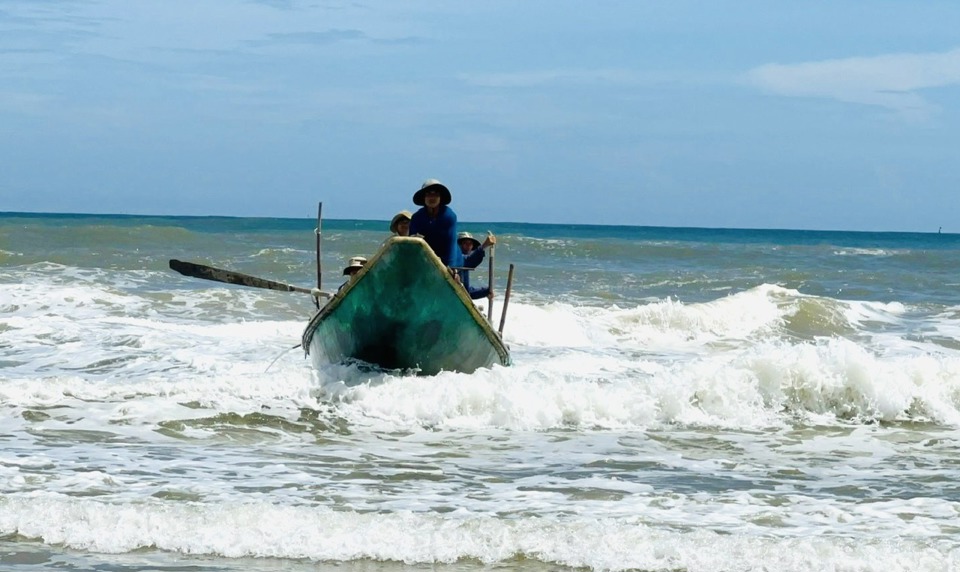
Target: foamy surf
<point x="265" y="530"/>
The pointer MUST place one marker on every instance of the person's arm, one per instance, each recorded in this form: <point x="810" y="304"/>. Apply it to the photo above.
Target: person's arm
<point x="453" y="255"/>
<point x="473" y="259"/>
<point x="479" y="292"/>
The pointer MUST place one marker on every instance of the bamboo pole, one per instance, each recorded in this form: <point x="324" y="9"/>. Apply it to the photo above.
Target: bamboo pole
<point x="319" y="269"/>
<point x="490" y="284"/>
<point x="506" y="300"/>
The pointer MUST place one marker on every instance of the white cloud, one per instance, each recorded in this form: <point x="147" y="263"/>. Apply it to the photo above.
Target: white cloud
<point x="891" y="81"/>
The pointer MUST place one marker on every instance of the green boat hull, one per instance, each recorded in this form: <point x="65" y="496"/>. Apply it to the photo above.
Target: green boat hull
<point x="404" y="310"/>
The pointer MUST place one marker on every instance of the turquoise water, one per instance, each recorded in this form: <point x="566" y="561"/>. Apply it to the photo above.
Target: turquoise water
<point x="683" y="263"/>
<point x="680" y="399"/>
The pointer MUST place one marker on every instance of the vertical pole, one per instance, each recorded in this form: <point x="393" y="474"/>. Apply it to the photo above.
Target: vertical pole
<point x="490" y="284"/>
<point x="506" y="300"/>
<point x="316" y="301"/>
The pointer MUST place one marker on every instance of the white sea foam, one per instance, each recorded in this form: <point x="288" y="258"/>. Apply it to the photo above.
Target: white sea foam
<point x="252" y="457"/>
<point x="721" y="363"/>
<point x="866" y="252"/>
<point x="270" y="252"/>
<point x="262" y="529"/>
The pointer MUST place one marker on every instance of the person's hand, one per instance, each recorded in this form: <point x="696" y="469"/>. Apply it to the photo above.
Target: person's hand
<point x="491" y="240"/>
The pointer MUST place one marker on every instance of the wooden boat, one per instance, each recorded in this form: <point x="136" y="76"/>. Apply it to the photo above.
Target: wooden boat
<point x="404" y="310"/>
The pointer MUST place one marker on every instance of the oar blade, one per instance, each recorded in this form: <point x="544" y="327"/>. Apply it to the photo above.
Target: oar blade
<point x="229" y="277"/>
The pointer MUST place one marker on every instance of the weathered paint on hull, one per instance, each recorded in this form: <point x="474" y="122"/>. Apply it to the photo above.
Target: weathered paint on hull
<point x="403" y="310"/>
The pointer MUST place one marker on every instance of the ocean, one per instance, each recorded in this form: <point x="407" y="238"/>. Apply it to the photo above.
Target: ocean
<point x="680" y="399"/>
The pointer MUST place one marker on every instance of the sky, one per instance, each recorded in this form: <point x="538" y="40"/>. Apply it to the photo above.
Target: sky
<point x="832" y="115"/>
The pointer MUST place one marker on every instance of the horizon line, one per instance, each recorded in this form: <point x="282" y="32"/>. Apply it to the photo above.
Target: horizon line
<point x="604" y="225"/>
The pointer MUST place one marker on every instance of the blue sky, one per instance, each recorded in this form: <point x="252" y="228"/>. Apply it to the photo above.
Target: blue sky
<point x="749" y="114"/>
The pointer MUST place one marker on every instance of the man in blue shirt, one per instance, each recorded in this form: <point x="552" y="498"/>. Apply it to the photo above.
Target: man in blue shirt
<point x="436" y="222"/>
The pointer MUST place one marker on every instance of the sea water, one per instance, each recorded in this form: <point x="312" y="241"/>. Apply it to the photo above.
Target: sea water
<point x="680" y="400"/>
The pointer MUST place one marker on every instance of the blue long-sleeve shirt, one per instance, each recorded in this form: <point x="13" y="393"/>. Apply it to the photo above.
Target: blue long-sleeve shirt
<point x="439" y="232"/>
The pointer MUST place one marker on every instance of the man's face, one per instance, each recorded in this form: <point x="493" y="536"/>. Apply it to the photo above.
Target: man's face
<point x="403" y="227"/>
<point x="466" y="246"/>
<point x="431" y="198"/>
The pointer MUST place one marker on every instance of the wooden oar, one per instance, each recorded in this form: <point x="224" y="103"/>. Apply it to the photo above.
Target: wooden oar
<point x="230" y="277"/>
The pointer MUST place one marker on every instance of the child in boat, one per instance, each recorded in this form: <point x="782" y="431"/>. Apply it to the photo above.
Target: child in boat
<point x="353" y="266"/>
<point x="473" y="252"/>
<point x="400" y="225"/>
